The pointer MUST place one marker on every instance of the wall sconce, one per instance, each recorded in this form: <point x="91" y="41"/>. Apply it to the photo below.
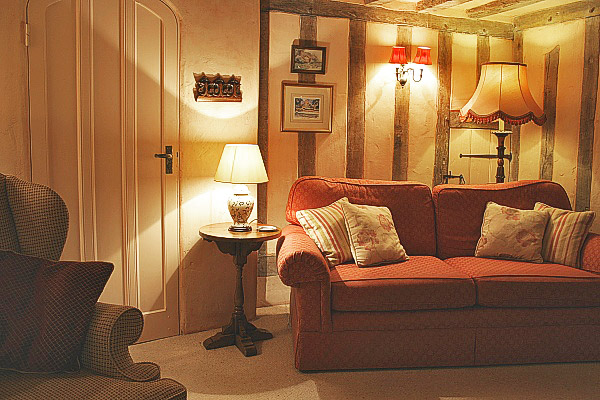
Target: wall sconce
<point x="398" y="56"/>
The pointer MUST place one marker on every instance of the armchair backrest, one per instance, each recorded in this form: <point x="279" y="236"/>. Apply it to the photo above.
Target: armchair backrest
<point x="33" y="218"/>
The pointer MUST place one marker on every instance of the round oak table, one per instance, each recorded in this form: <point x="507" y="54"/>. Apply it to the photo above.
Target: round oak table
<point x="238" y="244"/>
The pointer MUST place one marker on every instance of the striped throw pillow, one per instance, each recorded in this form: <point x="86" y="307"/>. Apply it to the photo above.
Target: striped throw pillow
<point x="565" y="233"/>
<point x="326" y="227"/>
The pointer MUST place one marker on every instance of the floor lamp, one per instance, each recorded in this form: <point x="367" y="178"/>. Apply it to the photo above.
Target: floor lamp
<point x="502" y="94"/>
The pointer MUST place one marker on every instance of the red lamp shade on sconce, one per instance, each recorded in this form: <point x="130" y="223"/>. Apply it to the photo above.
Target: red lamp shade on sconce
<point x="423" y="56"/>
<point x="398" y="55"/>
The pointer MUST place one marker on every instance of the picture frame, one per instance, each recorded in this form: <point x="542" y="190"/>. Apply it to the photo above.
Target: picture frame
<point x="308" y="59"/>
<point x="306" y="107"/>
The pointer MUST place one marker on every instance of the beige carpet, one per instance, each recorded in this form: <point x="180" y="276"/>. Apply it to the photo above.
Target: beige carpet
<point x="225" y="374"/>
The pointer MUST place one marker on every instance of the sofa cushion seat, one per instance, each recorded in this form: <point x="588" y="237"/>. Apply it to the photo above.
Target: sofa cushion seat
<point x="503" y="283"/>
<point x="421" y="283"/>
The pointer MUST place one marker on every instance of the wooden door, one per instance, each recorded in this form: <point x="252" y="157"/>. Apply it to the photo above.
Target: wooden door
<point x="105" y="74"/>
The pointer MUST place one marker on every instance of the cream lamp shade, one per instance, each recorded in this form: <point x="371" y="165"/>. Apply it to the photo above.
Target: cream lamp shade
<point x="241" y="163"/>
<point x="503" y="93"/>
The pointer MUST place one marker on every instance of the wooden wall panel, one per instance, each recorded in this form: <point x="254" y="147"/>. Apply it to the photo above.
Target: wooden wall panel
<point x="550" y="91"/>
<point x="442" y="128"/>
<point x="589" y="89"/>
<point x="515" y="138"/>
<point x="355" y="150"/>
<point x="483" y="52"/>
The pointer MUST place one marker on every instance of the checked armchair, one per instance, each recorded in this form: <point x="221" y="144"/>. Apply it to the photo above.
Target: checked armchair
<point x="34" y="221"/>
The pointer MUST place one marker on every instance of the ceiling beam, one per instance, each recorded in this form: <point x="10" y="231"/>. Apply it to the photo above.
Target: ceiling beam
<point x="438" y="4"/>
<point x="497" y="7"/>
<point x="357" y="12"/>
<point x="556" y="15"/>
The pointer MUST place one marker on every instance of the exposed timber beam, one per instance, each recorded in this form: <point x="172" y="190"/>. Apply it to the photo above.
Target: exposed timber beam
<point x="357" y="12"/>
<point x="515" y="140"/>
<point x="550" y="92"/>
<point x="589" y="92"/>
<point x="442" y="127"/>
<point x="497" y="7"/>
<point x="438" y="4"/>
<point x="556" y="15"/>
<point x="355" y="136"/>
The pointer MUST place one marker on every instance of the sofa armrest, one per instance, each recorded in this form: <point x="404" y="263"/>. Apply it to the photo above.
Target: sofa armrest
<point x="299" y="260"/>
<point x="590" y="253"/>
<point x="106" y="348"/>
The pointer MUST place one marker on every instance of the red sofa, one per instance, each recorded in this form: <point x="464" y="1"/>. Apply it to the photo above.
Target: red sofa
<point x="443" y="307"/>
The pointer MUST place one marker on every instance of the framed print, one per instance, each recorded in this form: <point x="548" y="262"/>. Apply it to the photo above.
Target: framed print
<point x="308" y="59"/>
<point x="306" y="107"/>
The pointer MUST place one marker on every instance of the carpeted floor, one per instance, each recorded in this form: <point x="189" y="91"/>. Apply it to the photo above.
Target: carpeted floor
<point x="225" y="374"/>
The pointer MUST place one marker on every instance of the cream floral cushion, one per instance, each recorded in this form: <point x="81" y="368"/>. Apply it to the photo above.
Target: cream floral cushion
<point x="513" y="234"/>
<point x="373" y="237"/>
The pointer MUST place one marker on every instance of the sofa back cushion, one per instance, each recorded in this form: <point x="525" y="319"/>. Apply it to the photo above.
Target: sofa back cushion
<point x="409" y="202"/>
<point x="459" y="209"/>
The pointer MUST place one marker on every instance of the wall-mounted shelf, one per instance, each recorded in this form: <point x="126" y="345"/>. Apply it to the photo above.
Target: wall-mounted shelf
<point x="217" y="87"/>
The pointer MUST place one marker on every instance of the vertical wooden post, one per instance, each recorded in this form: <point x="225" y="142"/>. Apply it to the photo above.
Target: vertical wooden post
<point x="483" y="52"/>
<point x="263" y="124"/>
<point x="515" y="139"/>
<point x="355" y="149"/>
<point x="401" y="114"/>
<point x="589" y="90"/>
<point x="550" y="90"/>
<point x="442" y="128"/>
<point x="307" y="144"/>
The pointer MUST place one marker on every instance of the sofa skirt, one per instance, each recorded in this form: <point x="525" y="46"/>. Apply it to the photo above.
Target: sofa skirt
<point x="442" y="338"/>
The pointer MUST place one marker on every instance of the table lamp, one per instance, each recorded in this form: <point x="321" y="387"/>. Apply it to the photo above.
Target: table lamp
<point x="502" y="93"/>
<point x="241" y="164"/>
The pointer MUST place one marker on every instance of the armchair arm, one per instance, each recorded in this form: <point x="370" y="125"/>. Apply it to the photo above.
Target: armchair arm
<point x="106" y="348"/>
<point x="590" y="253"/>
<point x="299" y="260"/>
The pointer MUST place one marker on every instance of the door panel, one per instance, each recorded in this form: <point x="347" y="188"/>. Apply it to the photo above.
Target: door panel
<point x="54" y="122"/>
<point x="107" y="74"/>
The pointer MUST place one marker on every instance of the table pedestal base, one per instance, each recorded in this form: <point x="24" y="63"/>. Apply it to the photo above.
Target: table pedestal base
<point x="244" y="337"/>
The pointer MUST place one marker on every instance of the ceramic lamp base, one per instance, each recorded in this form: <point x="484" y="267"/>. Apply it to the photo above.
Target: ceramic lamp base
<point x="240" y="205"/>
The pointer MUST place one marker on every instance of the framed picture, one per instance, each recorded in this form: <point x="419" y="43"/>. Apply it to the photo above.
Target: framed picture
<point x="306" y="107"/>
<point x="308" y="59"/>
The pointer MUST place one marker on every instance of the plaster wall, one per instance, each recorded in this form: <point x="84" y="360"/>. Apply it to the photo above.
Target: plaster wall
<point x="226" y="43"/>
<point x="379" y="101"/>
<point x="14" y="121"/>
<point x="537" y="43"/>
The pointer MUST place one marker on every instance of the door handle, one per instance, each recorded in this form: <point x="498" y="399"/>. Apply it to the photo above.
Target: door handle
<point x="168" y="156"/>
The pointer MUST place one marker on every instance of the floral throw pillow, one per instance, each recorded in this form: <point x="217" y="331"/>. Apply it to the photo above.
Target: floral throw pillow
<point x="372" y="234"/>
<point x="510" y="233"/>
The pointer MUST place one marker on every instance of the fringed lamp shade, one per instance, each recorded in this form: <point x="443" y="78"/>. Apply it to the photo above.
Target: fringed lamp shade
<point x="503" y="93"/>
<point x="398" y="55"/>
<point x="423" y="56"/>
